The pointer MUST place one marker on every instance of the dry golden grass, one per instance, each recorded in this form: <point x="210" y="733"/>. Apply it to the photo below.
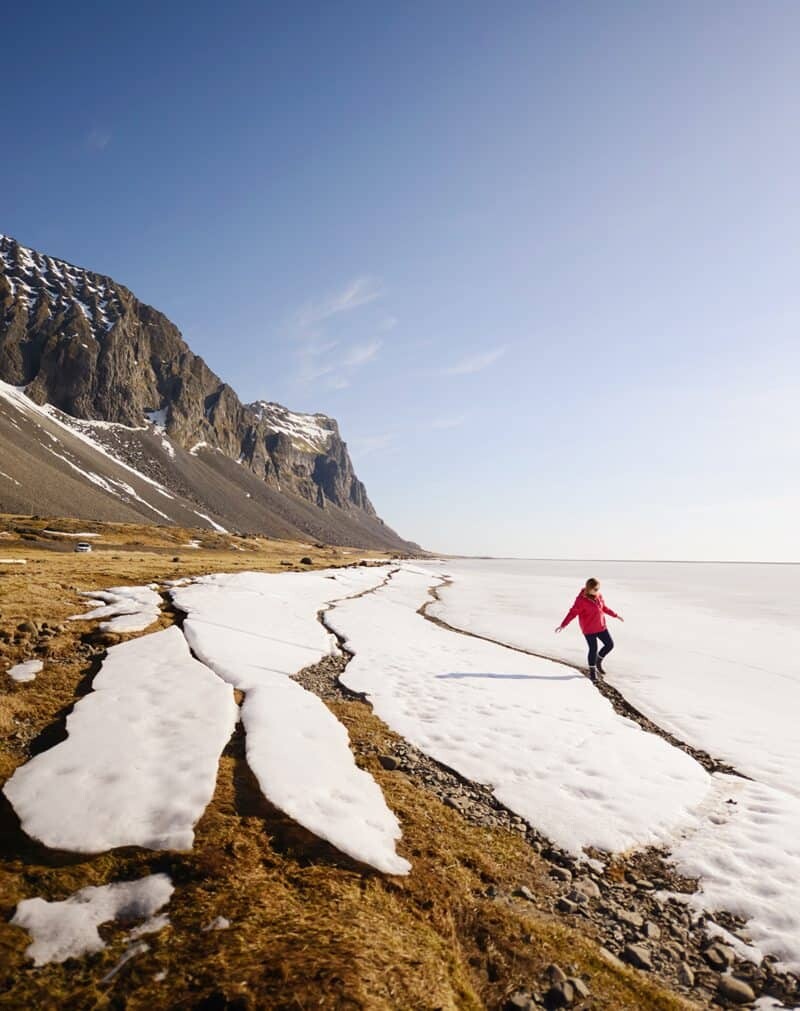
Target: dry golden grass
<point x="309" y="927"/>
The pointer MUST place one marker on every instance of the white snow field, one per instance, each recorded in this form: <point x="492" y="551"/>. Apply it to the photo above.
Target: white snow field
<point x="257" y="629"/>
<point x="132" y="608"/>
<point x="68" y="929"/>
<point x="139" y="764"/>
<point x="548" y="743"/>
<point x="710" y="652"/>
<point x="745" y="849"/>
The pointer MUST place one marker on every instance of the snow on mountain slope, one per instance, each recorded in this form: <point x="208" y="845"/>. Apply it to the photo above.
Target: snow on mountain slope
<point x="308" y="431"/>
<point x="57" y="465"/>
<point x="34" y="277"/>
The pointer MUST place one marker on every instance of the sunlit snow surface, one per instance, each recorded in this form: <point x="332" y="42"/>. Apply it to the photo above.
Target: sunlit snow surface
<point x="711" y="652"/>
<point x="131" y="608"/>
<point x="256" y="629"/>
<point x="25" y="671"/>
<point x="139" y="764"/>
<point x="548" y="743"/>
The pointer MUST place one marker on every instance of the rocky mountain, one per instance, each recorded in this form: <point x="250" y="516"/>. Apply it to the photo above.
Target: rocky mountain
<point x="100" y="365"/>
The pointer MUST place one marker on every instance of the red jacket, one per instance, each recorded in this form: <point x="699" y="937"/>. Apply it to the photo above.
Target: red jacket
<point x="591" y="612"/>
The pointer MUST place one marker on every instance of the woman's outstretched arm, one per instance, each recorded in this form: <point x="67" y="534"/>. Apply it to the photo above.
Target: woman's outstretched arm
<point x="569" y="616"/>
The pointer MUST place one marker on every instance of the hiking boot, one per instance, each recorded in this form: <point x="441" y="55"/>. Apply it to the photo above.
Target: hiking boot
<point x="600" y="665"/>
<point x="593" y="674"/>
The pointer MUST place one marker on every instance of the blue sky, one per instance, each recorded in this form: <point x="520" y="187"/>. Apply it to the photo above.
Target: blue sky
<point x="539" y="260"/>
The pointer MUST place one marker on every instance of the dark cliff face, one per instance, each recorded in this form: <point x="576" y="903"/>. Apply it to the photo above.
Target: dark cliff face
<point x="86" y="345"/>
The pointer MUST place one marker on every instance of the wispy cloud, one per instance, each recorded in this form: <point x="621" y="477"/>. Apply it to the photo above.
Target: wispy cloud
<point x="360" y="354"/>
<point x="98" y="140"/>
<point x="333" y="361"/>
<point x="452" y="422"/>
<point x="358" y="292"/>
<point x="311" y="372"/>
<point x="474" y="363"/>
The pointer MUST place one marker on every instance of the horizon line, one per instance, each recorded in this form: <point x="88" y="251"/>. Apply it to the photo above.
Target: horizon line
<point x="641" y="561"/>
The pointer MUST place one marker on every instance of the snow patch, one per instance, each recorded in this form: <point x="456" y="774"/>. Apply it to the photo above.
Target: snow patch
<point x="307" y="431"/>
<point x="213" y="523"/>
<point x="158" y="419"/>
<point x="26" y="671"/>
<point x="68" y="929"/>
<point x="64" y="533"/>
<point x="132" y="608"/>
<point x="139" y="764"/>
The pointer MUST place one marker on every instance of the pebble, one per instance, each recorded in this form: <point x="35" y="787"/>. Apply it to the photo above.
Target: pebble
<point x="630" y="918"/>
<point x="560" y="995"/>
<point x="555" y="974"/>
<point x="580" y="988"/>
<point x="520" y="1001"/>
<point x="561" y="874"/>
<point x="736" y="990"/>
<point x="612" y="960"/>
<point x="524" y="892"/>
<point x="639" y="956"/>
<point x="719" y="956"/>
<point x="651" y="931"/>
<point x="588" y="887"/>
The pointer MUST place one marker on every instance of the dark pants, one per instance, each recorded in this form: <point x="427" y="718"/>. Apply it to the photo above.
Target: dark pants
<point x="607" y="641"/>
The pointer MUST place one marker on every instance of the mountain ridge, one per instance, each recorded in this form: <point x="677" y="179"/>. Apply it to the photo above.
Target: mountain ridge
<point x="83" y="344"/>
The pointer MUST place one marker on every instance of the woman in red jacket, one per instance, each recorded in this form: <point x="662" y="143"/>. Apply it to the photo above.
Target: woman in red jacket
<point x="591" y="610"/>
